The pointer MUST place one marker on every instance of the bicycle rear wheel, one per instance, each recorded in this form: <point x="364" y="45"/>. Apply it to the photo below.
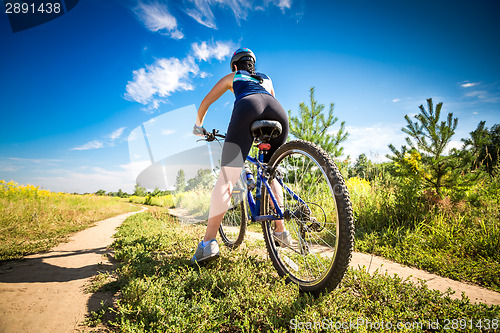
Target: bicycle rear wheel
<point x="317" y="213"/>
<point x="234" y="224"/>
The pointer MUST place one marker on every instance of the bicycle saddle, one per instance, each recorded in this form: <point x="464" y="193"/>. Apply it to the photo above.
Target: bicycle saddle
<point x="265" y="130"/>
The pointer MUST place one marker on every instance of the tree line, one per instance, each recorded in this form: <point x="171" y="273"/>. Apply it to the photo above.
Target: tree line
<point x="425" y="157"/>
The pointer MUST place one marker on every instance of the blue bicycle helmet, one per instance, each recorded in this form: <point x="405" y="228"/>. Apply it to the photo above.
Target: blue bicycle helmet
<point x="240" y="53"/>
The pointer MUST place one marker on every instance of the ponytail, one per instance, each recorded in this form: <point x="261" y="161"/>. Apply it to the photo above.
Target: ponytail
<point x="246" y="65"/>
<point x="249" y="66"/>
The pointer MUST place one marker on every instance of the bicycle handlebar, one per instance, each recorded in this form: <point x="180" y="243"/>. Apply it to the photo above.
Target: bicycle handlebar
<point x="212" y="136"/>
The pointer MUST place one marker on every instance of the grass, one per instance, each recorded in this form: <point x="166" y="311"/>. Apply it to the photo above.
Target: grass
<point x="161" y="201"/>
<point x="196" y="202"/>
<point x="457" y="240"/>
<point x="396" y="221"/>
<point x="34" y="220"/>
<point x="241" y="292"/>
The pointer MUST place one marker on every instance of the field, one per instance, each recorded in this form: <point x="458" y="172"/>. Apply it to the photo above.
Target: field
<point x="241" y="292"/>
<point x="399" y="221"/>
<point x="33" y="220"/>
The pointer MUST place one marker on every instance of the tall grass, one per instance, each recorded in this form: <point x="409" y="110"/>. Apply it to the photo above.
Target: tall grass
<point x="33" y="219"/>
<point x="161" y="201"/>
<point x="460" y="240"/>
<point x="196" y="202"/>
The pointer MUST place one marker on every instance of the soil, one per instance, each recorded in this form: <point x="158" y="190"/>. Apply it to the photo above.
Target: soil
<point x="46" y="292"/>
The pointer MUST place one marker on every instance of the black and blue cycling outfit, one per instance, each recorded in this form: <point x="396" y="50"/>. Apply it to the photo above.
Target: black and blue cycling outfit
<point x="254" y="101"/>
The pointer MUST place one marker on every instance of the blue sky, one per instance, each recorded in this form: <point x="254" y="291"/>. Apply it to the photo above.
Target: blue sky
<point x="74" y="89"/>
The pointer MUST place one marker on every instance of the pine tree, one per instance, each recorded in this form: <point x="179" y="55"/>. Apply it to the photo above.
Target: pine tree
<point x="483" y="147"/>
<point x="361" y="167"/>
<point x="311" y="125"/>
<point x="429" y="137"/>
<point x="180" y="181"/>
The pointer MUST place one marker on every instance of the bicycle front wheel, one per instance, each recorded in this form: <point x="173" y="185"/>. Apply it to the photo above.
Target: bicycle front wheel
<point x="234" y="224"/>
<point x="317" y="213"/>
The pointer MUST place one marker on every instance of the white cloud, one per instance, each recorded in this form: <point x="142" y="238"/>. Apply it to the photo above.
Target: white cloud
<point x="14" y="164"/>
<point x="395" y="100"/>
<point x="167" y="131"/>
<point x="89" y="179"/>
<point x="157" y="18"/>
<point x="284" y="4"/>
<point x="7" y="167"/>
<point x="453" y="144"/>
<point x="484" y="96"/>
<point x="116" y="134"/>
<point x="152" y="84"/>
<point x="161" y="79"/>
<point x="481" y="94"/>
<point x="108" y="141"/>
<point x="35" y="160"/>
<point x="467" y="84"/>
<point x="488" y="92"/>
<point x="218" y="50"/>
<point x="95" y="144"/>
<point x="202" y="13"/>
<point x="372" y="141"/>
<point x="201" y="10"/>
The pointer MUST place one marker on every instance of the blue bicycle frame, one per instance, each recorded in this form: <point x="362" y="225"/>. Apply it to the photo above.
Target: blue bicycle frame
<point x="255" y="203"/>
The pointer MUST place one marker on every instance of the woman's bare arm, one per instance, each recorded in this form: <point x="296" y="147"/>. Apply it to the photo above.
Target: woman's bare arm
<point x="225" y="84"/>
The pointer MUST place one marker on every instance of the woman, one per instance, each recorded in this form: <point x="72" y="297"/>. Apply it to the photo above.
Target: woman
<point x="254" y="101"/>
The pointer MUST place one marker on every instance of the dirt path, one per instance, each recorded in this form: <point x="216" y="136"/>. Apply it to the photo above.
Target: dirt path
<point x="44" y="292"/>
<point x="371" y="263"/>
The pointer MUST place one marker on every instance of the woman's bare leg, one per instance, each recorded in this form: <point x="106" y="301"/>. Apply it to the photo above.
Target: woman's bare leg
<point x="278" y="193"/>
<point x="221" y="199"/>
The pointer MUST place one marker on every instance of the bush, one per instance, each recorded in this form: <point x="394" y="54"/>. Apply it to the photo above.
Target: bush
<point x="196" y="202"/>
<point x="166" y="201"/>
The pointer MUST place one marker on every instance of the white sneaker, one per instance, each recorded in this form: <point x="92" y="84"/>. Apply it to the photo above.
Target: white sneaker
<point x="206" y="253"/>
<point x="283" y="238"/>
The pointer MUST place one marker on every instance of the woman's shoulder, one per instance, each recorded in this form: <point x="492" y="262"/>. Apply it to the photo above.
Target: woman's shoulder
<point x="264" y="76"/>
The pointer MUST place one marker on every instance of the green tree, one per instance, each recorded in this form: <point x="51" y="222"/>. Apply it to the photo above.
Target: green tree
<point x="100" y="192"/>
<point x="121" y="194"/>
<point x="483" y="147"/>
<point x="203" y="179"/>
<point x="312" y="125"/>
<point x="140" y="191"/>
<point x="429" y="137"/>
<point x="180" y="181"/>
<point x="361" y="167"/>
<point x="156" y="193"/>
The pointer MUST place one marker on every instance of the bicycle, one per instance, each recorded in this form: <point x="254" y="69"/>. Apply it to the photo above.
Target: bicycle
<point x="312" y="200"/>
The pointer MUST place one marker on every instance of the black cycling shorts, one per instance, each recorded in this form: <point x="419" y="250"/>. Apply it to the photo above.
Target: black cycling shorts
<point x="239" y="139"/>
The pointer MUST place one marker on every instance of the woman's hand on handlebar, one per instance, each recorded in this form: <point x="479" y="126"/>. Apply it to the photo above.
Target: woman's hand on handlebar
<point x="207" y="136"/>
